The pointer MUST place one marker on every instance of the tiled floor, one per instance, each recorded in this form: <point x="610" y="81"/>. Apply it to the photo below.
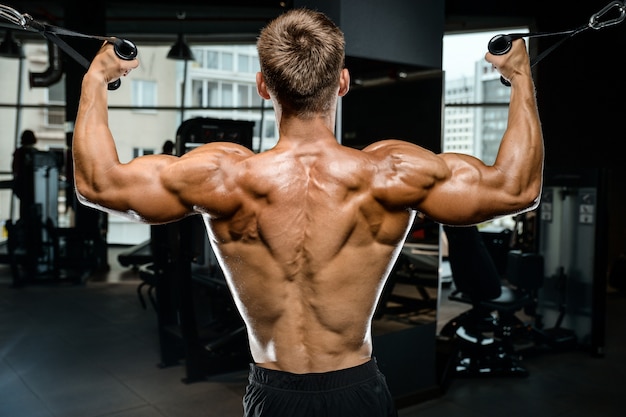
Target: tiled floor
<point x="92" y="351"/>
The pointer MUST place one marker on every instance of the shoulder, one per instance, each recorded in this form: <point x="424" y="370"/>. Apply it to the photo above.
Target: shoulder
<point x="405" y="172"/>
<point x="207" y="177"/>
<point x="209" y="164"/>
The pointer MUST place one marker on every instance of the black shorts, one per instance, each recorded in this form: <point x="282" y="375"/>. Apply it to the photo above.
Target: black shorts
<point x="360" y="391"/>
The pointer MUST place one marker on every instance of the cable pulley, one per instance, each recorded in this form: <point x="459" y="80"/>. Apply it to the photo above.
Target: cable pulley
<point x="123" y="48"/>
<point x="501" y="44"/>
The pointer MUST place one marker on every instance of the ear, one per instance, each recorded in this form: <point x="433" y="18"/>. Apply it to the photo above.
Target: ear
<point x="344" y="82"/>
<point x="261" y="88"/>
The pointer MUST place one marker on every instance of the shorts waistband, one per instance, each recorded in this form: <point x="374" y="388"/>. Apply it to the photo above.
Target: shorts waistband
<point x="314" y="381"/>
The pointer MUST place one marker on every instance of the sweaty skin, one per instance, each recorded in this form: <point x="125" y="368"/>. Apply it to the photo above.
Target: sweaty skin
<point x="307" y="232"/>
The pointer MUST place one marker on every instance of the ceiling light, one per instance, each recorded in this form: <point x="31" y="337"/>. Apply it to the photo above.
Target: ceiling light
<point x="180" y="50"/>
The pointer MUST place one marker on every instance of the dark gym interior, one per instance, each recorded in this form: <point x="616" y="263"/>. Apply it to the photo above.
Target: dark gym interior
<point x="151" y="331"/>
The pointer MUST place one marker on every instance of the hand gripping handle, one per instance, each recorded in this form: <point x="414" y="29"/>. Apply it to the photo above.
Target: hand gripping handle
<point x="500" y="45"/>
<point x="124" y="49"/>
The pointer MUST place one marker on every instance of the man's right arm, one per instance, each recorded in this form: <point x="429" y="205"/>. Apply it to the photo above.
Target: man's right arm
<point x="460" y="189"/>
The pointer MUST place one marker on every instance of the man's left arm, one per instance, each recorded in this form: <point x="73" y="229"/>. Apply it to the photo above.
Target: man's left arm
<point x="137" y="189"/>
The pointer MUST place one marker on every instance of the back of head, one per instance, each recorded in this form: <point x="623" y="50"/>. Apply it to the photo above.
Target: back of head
<point x="302" y="53"/>
<point x="28" y="138"/>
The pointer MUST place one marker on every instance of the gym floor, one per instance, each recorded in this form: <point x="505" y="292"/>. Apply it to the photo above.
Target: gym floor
<point x="91" y="351"/>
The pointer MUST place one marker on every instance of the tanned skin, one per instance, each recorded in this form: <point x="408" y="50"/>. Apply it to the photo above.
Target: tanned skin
<point x="307" y="232"/>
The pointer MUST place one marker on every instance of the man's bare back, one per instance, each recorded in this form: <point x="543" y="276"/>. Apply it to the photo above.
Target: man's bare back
<point x="306" y="254"/>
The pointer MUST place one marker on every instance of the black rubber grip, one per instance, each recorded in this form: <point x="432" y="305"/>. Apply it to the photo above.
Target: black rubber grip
<point x="126" y="50"/>
<point x="500" y="44"/>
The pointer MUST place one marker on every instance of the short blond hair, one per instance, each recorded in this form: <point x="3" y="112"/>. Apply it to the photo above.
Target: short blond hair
<point x="301" y="54"/>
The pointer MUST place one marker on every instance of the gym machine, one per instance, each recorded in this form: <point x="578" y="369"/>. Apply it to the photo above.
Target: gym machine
<point x="572" y="228"/>
<point x="39" y="247"/>
<point x="31" y="239"/>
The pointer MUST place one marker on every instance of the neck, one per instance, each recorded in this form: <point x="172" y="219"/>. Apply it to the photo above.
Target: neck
<point x="311" y="128"/>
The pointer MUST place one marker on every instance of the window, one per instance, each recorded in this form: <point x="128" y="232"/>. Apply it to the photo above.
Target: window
<point x="197" y="93"/>
<point x="269" y="130"/>
<point x="55" y="116"/>
<point x="243" y="63"/>
<point x="56" y="92"/>
<point x="212" y="94"/>
<point x="243" y="95"/>
<point x="212" y="60"/>
<point x="144" y="93"/>
<point x="227" y="95"/>
<point x="199" y="54"/>
<point x="227" y="61"/>
<point x="247" y="62"/>
<point x="256" y="66"/>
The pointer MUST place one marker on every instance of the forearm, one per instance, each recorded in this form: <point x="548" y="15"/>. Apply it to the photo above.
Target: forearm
<point x="93" y="147"/>
<point x="521" y="153"/>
